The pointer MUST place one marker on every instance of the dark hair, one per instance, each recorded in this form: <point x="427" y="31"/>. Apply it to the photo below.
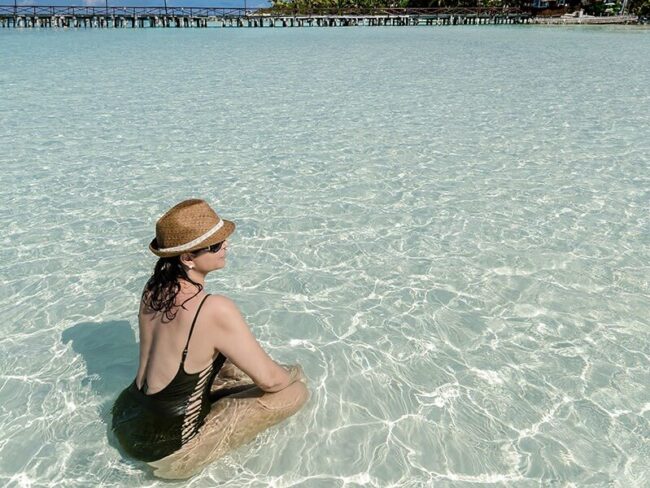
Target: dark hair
<point x="162" y="288"/>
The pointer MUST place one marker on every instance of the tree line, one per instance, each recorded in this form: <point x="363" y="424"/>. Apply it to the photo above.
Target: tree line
<point x="600" y="7"/>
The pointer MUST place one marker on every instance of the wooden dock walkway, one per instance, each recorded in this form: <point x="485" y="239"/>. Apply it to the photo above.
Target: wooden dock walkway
<point x="587" y="20"/>
<point x="35" y="16"/>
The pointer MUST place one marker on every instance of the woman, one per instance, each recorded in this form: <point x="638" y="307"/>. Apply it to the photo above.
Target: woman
<point x="192" y="399"/>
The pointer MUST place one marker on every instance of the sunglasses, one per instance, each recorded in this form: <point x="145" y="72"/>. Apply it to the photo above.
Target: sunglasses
<point x="213" y="248"/>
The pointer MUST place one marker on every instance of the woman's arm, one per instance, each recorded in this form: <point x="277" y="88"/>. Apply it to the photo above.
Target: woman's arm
<point x="235" y="341"/>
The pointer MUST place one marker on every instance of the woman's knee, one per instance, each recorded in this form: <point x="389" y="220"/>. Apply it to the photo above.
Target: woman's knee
<point x="301" y="393"/>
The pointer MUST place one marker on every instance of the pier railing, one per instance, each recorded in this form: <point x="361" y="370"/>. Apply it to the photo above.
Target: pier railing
<point x="194" y="12"/>
<point x="333" y="11"/>
<point x="94" y="16"/>
<point x="95" y="10"/>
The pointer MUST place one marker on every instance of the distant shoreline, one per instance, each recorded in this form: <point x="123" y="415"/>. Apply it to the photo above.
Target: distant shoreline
<point x="95" y="17"/>
<point x="587" y="20"/>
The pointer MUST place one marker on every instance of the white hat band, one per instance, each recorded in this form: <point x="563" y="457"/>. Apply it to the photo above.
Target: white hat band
<point x="198" y="240"/>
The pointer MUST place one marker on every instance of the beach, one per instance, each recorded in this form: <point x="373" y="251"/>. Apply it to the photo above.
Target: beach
<point x="448" y="229"/>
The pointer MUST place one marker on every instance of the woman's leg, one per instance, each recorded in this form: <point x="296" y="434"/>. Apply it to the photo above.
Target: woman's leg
<point x="229" y="381"/>
<point x="230" y="372"/>
<point x="233" y="421"/>
<point x="222" y="392"/>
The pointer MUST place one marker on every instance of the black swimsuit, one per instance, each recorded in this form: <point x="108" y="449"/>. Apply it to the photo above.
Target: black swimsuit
<point x="150" y="427"/>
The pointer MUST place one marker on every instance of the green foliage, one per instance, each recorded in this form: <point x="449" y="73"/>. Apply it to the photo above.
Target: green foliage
<point x="593" y="7"/>
<point x="639" y="7"/>
<point x="303" y="5"/>
<point x="601" y="8"/>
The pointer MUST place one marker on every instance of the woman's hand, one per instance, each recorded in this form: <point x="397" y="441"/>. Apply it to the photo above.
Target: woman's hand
<point x="296" y="373"/>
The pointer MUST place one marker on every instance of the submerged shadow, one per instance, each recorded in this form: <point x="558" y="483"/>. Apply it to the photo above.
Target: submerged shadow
<point x="111" y="355"/>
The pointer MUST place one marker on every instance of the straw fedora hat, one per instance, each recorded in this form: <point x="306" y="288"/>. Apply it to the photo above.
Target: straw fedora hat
<point x="189" y="226"/>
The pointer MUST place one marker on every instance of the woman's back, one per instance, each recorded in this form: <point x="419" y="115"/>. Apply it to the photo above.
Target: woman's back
<point x="154" y="422"/>
<point x="162" y="342"/>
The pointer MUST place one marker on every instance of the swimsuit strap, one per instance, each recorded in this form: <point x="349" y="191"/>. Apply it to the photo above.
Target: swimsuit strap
<point x="192" y="328"/>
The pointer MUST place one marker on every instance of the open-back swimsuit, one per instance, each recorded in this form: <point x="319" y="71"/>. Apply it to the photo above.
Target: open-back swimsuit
<point x="150" y="427"/>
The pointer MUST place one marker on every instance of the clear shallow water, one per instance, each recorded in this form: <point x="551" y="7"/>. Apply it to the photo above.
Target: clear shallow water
<point x="448" y="227"/>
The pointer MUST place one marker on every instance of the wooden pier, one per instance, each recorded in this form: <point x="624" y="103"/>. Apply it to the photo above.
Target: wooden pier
<point x="587" y="20"/>
<point x="87" y="17"/>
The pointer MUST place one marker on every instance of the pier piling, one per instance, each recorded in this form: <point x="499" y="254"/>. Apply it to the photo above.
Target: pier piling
<point x="92" y="17"/>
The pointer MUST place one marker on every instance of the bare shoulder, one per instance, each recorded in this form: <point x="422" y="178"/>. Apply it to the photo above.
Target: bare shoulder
<point x="219" y="303"/>
<point x="145" y="308"/>
<point x="145" y="302"/>
<point x="223" y="311"/>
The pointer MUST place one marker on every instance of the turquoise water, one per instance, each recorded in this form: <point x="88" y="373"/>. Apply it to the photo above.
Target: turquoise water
<point x="448" y="227"/>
